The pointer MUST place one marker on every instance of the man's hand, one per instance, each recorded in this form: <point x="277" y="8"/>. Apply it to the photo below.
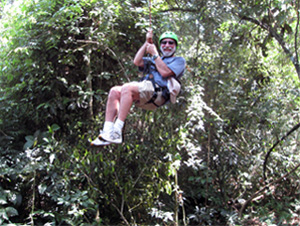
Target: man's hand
<point x="149" y="36"/>
<point x="151" y="49"/>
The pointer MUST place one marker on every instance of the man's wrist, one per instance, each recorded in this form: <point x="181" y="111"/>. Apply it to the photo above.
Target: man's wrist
<point x="154" y="57"/>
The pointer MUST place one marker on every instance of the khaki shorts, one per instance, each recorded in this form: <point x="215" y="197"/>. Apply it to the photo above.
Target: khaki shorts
<point x="146" y="91"/>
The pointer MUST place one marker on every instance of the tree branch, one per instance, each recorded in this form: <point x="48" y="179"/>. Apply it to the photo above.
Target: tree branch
<point x="271" y="31"/>
<point x="3" y="133"/>
<point x="254" y="21"/>
<point x="110" y="50"/>
<point x="265" y="187"/>
<point x="180" y="9"/>
<point x="121" y="65"/>
<point x="273" y="147"/>
<point x="277" y="36"/>
<point x="121" y="214"/>
<point x="296" y="40"/>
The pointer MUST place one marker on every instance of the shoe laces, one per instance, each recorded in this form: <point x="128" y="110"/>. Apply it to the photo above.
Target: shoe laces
<point x="116" y="135"/>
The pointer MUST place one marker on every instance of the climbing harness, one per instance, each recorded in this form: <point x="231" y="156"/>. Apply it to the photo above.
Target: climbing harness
<point x="159" y="93"/>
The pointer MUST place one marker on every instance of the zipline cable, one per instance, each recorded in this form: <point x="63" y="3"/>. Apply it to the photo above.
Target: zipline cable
<point x="150" y="22"/>
<point x="150" y="14"/>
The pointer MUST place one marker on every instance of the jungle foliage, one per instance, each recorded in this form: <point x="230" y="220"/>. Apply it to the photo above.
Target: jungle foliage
<point x="225" y="154"/>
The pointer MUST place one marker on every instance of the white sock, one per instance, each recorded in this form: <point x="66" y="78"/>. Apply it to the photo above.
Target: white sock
<point x="108" y="126"/>
<point x="119" y="125"/>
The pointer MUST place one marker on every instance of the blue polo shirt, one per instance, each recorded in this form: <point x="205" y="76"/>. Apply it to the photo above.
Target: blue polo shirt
<point x="176" y="64"/>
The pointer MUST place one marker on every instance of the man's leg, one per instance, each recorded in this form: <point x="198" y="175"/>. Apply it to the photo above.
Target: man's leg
<point x="113" y="102"/>
<point x="129" y="93"/>
<point x="112" y="108"/>
<point x="120" y="100"/>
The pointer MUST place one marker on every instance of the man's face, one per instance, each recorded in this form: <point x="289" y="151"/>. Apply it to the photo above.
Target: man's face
<point x="168" y="47"/>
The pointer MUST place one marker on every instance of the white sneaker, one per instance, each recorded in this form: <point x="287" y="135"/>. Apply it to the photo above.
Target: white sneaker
<point x="113" y="136"/>
<point x="98" y="142"/>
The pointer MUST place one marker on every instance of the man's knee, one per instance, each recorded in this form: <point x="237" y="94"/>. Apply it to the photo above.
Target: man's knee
<point x="126" y="88"/>
<point x="115" y="92"/>
<point x="129" y="89"/>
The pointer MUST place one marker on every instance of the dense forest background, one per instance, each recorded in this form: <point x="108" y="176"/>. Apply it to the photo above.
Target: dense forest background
<point x="227" y="153"/>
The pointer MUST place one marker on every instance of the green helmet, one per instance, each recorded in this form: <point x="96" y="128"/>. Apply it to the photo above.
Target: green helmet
<point x="169" y="34"/>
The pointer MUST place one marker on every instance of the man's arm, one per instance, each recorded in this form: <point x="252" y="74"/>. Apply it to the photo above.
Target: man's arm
<point x="138" y="59"/>
<point x="161" y="67"/>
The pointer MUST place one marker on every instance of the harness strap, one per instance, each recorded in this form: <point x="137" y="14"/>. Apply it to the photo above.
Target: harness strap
<point x="152" y="100"/>
<point x="157" y="88"/>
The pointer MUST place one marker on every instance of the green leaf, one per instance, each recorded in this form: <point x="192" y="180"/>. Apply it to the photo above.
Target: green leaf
<point x="168" y="188"/>
<point x="11" y="212"/>
<point x="3" y="214"/>
<point x="42" y="188"/>
<point x="3" y="201"/>
<point x="29" y="142"/>
<point x="55" y="127"/>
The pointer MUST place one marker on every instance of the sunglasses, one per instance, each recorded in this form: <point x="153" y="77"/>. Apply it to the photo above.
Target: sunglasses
<point x="165" y="42"/>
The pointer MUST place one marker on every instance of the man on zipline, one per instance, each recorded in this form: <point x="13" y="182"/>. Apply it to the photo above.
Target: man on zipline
<point x="149" y="93"/>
